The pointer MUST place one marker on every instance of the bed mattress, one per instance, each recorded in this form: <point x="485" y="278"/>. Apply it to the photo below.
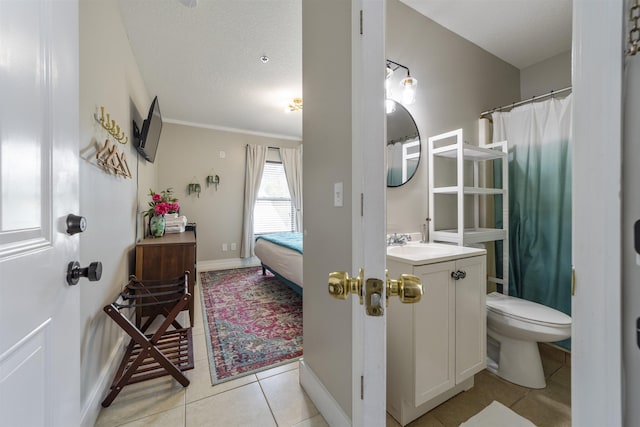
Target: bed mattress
<point x="284" y="261"/>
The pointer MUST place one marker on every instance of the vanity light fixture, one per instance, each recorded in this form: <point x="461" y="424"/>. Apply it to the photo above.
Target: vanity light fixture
<point x="409" y="89"/>
<point x="389" y="105"/>
<point x="408" y="83"/>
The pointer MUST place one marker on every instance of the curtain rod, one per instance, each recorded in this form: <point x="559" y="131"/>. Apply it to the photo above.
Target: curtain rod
<point x="535" y="98"/>
<point x="268" y="146"/>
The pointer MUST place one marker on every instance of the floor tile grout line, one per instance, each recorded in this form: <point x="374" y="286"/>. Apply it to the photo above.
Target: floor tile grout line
<point x="268" y="404"/>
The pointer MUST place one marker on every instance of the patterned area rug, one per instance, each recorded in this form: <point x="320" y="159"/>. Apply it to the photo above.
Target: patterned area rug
<point x="254" y="322"/>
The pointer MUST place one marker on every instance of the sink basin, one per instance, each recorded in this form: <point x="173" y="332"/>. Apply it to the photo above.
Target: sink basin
<point x="419" y="251"/>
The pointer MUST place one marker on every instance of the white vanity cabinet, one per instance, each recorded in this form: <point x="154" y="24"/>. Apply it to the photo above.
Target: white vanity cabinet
<point x="435" y="347"/>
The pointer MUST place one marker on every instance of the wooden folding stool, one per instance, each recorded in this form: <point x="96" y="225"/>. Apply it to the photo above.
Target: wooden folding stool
<point x="163" y="352"/>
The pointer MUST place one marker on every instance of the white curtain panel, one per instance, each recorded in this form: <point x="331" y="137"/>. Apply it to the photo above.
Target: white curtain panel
<point x="256" y="157"/>
<point x="292" y="163"/>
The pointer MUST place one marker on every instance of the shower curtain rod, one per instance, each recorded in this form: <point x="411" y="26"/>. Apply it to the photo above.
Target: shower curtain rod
<point x="535" y="98"/>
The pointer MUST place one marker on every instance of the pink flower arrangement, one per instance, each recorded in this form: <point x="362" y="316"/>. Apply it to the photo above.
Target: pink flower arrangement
<point x="162" y="203"/>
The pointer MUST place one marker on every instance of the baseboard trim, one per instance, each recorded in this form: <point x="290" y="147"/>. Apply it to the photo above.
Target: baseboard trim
<point x="223" y="264"/>
<point x="326" y="404"/>
<point x="93" y="405"/>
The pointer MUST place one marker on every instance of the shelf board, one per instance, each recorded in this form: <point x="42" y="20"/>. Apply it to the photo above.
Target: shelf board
<point x="471" y="152"/>
<point x="471" y="235"/>
<point x="469" y="190"/>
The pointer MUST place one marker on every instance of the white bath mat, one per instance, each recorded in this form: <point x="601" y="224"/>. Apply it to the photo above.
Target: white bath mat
<point x="496" y="414"/>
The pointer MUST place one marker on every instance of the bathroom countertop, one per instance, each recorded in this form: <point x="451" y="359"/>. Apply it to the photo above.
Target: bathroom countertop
<point x="415" y="253"/>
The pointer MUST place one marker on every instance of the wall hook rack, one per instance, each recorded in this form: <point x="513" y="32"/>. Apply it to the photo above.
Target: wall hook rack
<point x="111" y="126"/>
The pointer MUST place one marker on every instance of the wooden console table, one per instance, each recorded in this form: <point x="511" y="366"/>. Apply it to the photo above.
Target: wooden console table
<point x="166" y="257"/>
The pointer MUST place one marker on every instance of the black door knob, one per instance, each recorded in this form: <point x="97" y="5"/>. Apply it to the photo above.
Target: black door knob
<point x="74" y="272"/>
<point x="76" y="224"/>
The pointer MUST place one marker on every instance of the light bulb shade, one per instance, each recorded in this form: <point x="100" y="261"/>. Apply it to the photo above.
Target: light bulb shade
<point x="409" y="85"/>
<point x="389" y="106"/>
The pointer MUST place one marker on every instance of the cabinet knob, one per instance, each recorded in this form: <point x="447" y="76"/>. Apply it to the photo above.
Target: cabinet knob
<point x="457" y="275"/>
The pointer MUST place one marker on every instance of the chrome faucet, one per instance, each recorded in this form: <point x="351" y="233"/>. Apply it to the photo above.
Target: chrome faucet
<point x="398" y="240"/>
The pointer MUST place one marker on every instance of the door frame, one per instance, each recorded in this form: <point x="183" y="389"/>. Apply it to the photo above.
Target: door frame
<point x="369" y="343"/>
<point x="597" y="68"/>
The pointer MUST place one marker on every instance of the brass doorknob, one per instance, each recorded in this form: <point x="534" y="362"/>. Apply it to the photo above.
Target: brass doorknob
<point x="341" y="285"/>
<point x="408" y="287"/>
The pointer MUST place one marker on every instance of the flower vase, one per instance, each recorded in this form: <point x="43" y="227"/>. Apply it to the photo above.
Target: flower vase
<point x="156" y="225"/>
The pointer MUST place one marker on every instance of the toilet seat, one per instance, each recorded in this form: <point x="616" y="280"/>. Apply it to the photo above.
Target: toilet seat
<point x="526" y="311"/>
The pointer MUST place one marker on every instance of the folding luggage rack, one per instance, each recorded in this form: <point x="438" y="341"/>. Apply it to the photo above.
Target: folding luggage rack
<point x="163" y="352"/>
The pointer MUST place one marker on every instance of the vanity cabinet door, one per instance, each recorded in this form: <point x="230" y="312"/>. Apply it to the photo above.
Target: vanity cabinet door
<point x="470" y="322"/>
<point x="434" y="329"/>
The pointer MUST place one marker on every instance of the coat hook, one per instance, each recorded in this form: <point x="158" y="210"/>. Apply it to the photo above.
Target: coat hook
<point x="111" y="126"/>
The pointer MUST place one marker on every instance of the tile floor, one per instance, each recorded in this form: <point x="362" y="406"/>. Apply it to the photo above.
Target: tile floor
<point x="275" y="398"/>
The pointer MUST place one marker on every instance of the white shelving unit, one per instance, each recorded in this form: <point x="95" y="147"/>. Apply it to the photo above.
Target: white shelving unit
<point x="451" y="145"/>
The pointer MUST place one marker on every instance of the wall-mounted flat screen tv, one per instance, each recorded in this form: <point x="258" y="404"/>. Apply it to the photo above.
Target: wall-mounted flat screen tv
<point x="146" y="139"/>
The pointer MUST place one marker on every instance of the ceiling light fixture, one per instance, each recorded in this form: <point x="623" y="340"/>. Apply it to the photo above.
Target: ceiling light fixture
<point x="264" y="59"/>
<point x="408" y="83"/>
<point x="294" y="105"/>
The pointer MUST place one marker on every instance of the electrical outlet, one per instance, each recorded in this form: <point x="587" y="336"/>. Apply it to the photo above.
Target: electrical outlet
<point x="224" y="247"/>
<point x="233" y="246"/>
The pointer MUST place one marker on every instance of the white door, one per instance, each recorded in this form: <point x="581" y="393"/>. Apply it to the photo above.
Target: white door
<point x="39" y="311"/>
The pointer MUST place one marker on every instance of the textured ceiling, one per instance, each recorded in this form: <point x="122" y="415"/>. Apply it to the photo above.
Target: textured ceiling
<point x="204" y="64"/>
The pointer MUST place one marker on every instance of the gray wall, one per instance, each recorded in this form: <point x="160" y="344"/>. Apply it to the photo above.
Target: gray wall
<point x="109" y="77"/>
<point x="456" y="82"/>
<point x="188" y="154"/>
<point x="543" y="77"/>
<point x="326" y="41"/>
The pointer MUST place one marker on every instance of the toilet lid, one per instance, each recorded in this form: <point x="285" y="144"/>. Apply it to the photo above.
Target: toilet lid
<point x="526" y="310"/>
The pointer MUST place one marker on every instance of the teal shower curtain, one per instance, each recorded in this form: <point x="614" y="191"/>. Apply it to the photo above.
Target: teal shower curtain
<point x="539" y="140"/>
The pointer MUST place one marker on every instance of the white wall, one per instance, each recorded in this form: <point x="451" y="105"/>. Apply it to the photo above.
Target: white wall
<point x="188" y="154"/>
<point x="545" y="76"/>
<point x="109" y="77"/>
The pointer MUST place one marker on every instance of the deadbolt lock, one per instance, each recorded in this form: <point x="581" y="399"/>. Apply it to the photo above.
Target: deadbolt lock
<point x="341" y="286"/>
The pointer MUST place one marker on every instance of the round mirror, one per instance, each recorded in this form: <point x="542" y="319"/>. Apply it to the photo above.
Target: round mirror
<point x="403" y="145"/>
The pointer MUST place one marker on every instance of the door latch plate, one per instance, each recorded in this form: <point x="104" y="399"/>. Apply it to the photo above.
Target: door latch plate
<point x="373" y="297"/>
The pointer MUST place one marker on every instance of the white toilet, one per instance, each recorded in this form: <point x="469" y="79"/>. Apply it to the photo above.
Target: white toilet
<point x="516" y="326"/>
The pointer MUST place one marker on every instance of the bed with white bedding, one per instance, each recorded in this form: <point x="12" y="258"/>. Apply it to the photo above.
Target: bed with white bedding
<point x="281" y="254"/>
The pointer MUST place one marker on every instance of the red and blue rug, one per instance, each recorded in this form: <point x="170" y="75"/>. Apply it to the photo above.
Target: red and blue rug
<point x="254" y="322"/>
